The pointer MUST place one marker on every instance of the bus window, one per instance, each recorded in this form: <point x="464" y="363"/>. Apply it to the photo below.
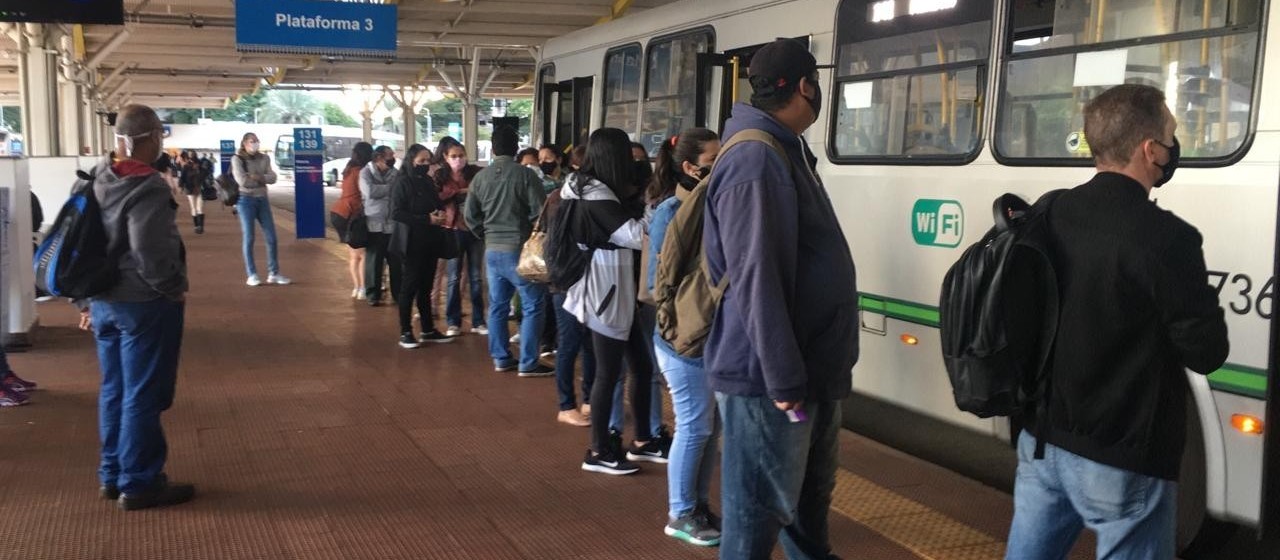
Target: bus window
<point x="1058" y="61"/>
<point x="670" y="84"/>
<point x="909" y="80"/>
<point x="284" y="151"/>
<point x="622" y="88"/>
<point x="542" y="101"/>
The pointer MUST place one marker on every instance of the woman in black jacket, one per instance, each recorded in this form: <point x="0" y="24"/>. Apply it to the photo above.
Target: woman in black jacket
<point x="416" y="238"/>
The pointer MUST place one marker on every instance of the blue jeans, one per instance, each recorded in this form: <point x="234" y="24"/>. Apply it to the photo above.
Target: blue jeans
<point x="647" y="316"/>
<point x="250" y="209"/>
<point x="693" y="452"/>
<point x="573" y="339"/>
<point x="776" y="478"/>
<point x="503" y="283"/>
<point x="138" y="347"/>
<point x="1134" y="515"/>
<point x="471" y="250"/>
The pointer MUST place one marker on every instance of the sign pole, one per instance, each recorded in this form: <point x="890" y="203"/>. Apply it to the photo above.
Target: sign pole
<point x="308" y="181"/>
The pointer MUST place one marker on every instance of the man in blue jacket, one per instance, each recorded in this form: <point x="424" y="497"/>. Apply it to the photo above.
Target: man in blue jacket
<point x="782" y="348"/>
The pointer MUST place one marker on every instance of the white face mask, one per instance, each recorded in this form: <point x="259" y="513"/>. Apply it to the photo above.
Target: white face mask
<point x="129" y="140"/>
<point x="252" y="147"/>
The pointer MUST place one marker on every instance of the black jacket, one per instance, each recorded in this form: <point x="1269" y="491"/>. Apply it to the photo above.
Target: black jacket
<point x="413" y="198"/>
<point x="1136" y="310"/>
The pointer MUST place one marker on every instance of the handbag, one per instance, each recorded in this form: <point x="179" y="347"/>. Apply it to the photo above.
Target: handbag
<point x="448" y="248"/>
<point x="532" y="265"/>
<point x="358" y="232"/>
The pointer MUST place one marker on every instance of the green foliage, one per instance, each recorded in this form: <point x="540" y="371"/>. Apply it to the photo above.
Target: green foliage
<point x="333" y="114"/>
<point x="238" y="110"/>
<point x="13" y="119"/>
<point x="290" y="107"/>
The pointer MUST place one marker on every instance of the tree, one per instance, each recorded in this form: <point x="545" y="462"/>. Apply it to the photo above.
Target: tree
<point x="290" y="107"/>
<point x="240" y="109"/>
<point x="333" y="114"/>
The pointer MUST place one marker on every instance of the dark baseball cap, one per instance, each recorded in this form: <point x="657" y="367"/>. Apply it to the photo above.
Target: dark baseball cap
<point x="781" y="64"/>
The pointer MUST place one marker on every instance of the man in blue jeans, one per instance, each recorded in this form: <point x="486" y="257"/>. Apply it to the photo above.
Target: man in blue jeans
<point x="1135" y="314"/>
<point x="138" y="322"/>
<point x="504" y="202"/>
<point x="783" y="344"/>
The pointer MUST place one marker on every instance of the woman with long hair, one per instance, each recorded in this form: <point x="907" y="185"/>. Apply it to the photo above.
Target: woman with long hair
<point x="453" y="178"/>
<point x="682" y="162"/>
<point x="611" y="223"/>
<point x="190" y="180"/>
<point x="252" y="170"/>
<point x="416" y="240"/>
<point x="349" y="207"/>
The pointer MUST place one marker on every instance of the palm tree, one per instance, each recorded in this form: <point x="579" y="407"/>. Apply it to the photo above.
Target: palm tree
<point x="290" y="107"/>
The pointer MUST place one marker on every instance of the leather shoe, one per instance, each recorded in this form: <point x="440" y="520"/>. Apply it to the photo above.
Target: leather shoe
<point x="159" y="495"/>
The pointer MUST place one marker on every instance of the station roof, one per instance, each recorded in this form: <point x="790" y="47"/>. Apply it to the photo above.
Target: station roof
<point x="182" y="53"/>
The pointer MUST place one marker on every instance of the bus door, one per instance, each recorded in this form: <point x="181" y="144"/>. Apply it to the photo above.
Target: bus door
<point x="1269" y="517"/>
<point x="566" y="113"/>
<point x="722" y="81"/>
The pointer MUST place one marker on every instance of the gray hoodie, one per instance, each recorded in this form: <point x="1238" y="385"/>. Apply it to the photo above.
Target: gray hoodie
<point x="154" y="265"/>
<point x="375" y="189"/>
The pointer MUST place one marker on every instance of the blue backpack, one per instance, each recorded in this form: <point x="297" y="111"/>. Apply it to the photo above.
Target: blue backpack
<point x="73" y="261"/>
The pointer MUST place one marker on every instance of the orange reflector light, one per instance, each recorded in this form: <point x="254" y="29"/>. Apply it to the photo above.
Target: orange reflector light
<point x="1247" y="424"/>
<point x="910" y="340"/>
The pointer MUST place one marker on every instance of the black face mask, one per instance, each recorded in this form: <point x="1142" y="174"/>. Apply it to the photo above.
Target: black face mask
<point x="422" y="170"/>
<point x="549" y="168"/>
<point x="1175" y="153"/>
<point x="641" y="173"/>
<point x="688" y="181"/>
<point x="391" y="163"/>
<point x="815" y="102"/>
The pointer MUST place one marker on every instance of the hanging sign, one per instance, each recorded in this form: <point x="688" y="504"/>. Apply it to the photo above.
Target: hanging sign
<point x="308" y="182"/>
<point x="323" y="28"/>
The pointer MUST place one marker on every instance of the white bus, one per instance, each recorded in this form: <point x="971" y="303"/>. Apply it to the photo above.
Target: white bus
<point x="934" y="108"/>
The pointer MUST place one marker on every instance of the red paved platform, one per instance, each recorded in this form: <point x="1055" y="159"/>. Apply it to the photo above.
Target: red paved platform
<point x="311" y="435"/>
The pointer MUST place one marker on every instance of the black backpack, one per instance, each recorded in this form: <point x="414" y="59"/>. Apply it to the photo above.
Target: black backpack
<point x="566" y="260"/>
<point x="73" y="261"/>
<point x="998" y="312"/>
<point x="228" y="189"/>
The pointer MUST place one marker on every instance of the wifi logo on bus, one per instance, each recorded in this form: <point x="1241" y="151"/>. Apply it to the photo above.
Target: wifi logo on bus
<point x="937" y="223"/>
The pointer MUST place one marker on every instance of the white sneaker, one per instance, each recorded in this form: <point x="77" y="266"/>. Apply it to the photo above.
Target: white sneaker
<point x="452" y="331"/>
<point x="482" y="331"/>
<point x="279" y="279"/>
<point x="515" y="339"/>
<point x="360" y="295"/>
<point x="253" y="280"/>
<point x="355" y="294"/>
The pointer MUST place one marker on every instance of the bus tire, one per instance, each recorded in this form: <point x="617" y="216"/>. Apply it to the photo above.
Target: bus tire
<point x="1198" y="535"/>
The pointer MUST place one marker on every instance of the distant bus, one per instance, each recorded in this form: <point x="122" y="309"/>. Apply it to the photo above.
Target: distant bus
<point x="338" y="142"/>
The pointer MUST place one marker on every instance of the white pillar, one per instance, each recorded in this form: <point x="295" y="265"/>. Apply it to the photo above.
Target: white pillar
<point x="366" y="125"/>
<point x="17" y="279"/>
<point x="38" y="88"/>
<point x="69" y="118"/>
<point x="410" y="122"/>
<point x="470" y="127"/>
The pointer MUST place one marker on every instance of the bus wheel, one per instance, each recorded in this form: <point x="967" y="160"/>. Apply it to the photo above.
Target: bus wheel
<point x="1197" y="533"/>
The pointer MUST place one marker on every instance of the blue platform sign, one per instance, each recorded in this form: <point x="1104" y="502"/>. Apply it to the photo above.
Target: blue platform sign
<point x="316" y="28"/>
<point x="308" y="182"/>
<point x="227" y="148"/>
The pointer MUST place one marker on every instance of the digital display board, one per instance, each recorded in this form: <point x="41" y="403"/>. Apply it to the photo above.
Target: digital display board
<point x="103" y="12"/>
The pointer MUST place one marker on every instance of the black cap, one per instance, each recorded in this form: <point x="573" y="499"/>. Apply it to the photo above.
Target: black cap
<point x="780" y="65"/>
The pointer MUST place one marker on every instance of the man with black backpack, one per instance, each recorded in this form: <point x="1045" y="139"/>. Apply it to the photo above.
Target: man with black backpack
<point x="1135" y="310"/>
<point x="783" y="343"/>
<point x="138" y="321"/>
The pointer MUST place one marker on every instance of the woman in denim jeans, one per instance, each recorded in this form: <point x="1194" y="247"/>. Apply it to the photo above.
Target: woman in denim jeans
<point x="682" y="162"/>
<point x="252" y="170"/>
<point x="453" y="178"/>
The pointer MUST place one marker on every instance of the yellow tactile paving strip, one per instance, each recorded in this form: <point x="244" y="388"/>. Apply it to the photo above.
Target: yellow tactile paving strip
<point x="910" y="524"/>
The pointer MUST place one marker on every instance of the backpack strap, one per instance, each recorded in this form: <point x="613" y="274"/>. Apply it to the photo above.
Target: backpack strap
<point x="742" y="137"/>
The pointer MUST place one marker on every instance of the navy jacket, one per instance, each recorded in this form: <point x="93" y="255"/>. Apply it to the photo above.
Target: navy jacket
<point x="788" y="326"/>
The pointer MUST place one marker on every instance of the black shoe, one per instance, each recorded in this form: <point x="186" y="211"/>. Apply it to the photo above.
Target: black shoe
<point x="607" y="463"/>
<point x="704" y="510"/>
<point x="375" y="302"/>
<point x="434" y="336"/>
<point x="665" y="439"/>
<point x="539" y="371"/>
<point x="108" y="492"/>
<point x="615" y="440"/>
<point x="650" y="452"/>
<point x="160" y="495"/>
<point x="407" y="341"/>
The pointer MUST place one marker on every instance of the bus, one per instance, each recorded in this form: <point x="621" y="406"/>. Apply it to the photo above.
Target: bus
<point x="338" y="142"/>
<point x="932" y="109"/>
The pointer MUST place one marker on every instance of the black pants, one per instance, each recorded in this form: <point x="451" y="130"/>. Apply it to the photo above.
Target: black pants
<point x="609" y="355"/>
<point x="419" y="269"/>
<point x="375" y="259"/>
